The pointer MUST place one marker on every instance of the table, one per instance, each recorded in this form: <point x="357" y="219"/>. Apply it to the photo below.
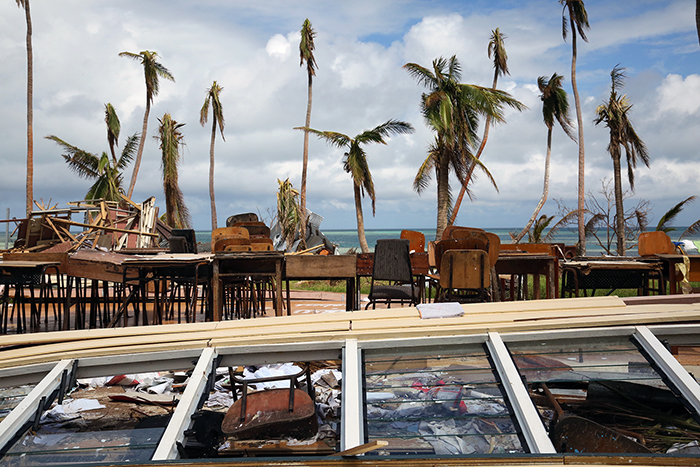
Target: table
<point x="191" y="269"/>
<point x="242" y="265"/>
<point x="19" y="274"/>
<point x="669" y="262"/>
<point x="525" y="264"/>
<point x="323" y="267"/>
<point x="610" y="274"/>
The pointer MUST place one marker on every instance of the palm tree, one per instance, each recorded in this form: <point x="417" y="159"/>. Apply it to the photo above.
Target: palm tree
<point x="615" y="114"/>
<point x="578" y="21"/>
<point x="152" y="71"/>
<point x="30" y="107"/>
<point x="107" y="172"/>
<point x="113" y="129"/>
<point x="177" y="215"/>
<point x="537" y="235"/>
<point x="306" y="54"/>
<point x="452" y="110"/>
<point x="288" y="211"/>
<point x="555" y="108"/>
<point x="355" y="162"/>
<point x="217" y="115"/>
<point x="664" y="224"/>
<point x="497" y="49"/>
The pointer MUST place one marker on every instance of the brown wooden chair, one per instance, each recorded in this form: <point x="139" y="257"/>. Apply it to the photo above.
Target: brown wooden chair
<point x="655" y="243"/>
<point x="228" y="232"/>
<point x="450" y="230"/>
<point x="465" y="276"/>
<point x="416" y="239"/>
<point x="232" y="244"/>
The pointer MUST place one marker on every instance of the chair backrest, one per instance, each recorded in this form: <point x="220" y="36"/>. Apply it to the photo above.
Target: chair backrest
<point x="228" y="232"/>
<point x="223" y="243"/>
<point x="655" y="243"/>
<point x="450" y="230"/>
<point x="260" y="246"/>
<point x="190" y="240"/>
<point x="465" y="269"/>
<point x="392" y="260"/>
<point x="416" y="239"/>
<point x="255" y="229"/>
<point x="473" y="242"/>
<point x="245" y="217"/>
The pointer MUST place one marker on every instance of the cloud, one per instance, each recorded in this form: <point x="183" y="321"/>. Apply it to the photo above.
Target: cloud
<point x="678" y="95"/>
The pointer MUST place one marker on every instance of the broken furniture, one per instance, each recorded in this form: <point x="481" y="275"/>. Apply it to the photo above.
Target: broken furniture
<point x="392" y="262"/>
<point x="23" y="277"/>
<point x="273" y="413"/>
<point x="611" y="274"/>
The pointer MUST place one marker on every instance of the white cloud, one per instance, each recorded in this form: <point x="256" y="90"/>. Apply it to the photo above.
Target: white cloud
<point x="678" y="95"/>
<point x="279" y="46"/>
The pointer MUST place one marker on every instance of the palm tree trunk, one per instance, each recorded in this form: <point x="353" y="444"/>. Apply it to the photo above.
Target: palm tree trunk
<point x="305" y="162"/>
<point x="443" y="195"/>
<point x="360" y="219"/>
<point x="211" y="172"/>
<point x="619" y="208"/>
<point x="463" y="190"/>
<point x="142" y="141"/>
<point x="545" y="190"/>
<point x="697" y="17"/>
<point x="30" y="112"/>
<point x="581" y="151"/>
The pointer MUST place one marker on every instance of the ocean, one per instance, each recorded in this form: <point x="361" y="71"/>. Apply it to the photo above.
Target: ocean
<point x="347" y="239"/>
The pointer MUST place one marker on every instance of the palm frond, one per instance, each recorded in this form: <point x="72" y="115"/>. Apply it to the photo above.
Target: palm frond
<point x="664" y="224"/>
<point x="81" y="162"/>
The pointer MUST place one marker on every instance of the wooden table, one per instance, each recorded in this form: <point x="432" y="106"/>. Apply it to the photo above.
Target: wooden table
<point x="323" y="267"/>
<point x="241" y="265"/>
<point x="609" y="274"/>
<point x="526" y="264"/>
<point x="669" y="262"/>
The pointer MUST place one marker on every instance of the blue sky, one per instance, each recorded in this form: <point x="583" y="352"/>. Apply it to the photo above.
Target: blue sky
<point x="251" y="49"/>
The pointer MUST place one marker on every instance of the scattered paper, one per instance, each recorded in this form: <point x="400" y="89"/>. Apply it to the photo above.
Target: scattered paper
<point x="440" y="310"/>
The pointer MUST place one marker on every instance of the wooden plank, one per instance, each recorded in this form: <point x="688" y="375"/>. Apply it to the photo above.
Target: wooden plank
<point x="320" y="266"/>
<point x="363" y="448"/>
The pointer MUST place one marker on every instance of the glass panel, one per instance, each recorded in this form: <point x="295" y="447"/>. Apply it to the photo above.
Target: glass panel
<point x="136" y="445"/>
<point x="602" y="395"/>
<point x="446" y="404"/>
<point x="11" y="397"/>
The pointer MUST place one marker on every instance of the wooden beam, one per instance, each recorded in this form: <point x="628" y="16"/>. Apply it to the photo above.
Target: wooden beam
<point x="108" y="229"/>
<point x="363" y="448"/>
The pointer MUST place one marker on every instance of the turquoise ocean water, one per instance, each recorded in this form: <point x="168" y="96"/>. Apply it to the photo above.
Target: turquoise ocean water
<point x="347" y="239"/>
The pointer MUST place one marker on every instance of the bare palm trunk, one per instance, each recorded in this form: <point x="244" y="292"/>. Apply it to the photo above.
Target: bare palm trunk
<point x="142" y="141"/>
<point x="697" y="17"/>
<point x="581" y="151"/>
<point x="545" y="190"/>
<point x="305" y="162"/>
<point x="211" y="172"/>
<point x="360" y="219"/>
<point x="30" y="112"/>
<point x="463" y="190"/>
<point x="619" y="208"/>
<point x="443" y="196"/>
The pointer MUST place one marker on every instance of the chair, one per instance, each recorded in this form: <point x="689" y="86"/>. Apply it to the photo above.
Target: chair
<point x="416" y="239"/>
<point x="465" y="276"/>
<point x="228" y="232"/>
<point x="183" y="241"/>
<point x="245" y="217"/>
<point x="450" y="230"/>
<point x="655" y="243"/>
<point x="392" y="262"/>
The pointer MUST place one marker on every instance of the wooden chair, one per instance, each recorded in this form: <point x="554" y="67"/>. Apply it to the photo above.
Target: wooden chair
<point x="465" y="276"/>
<point x="232" y="244"/>
<point x="450" y="230"/>
<point x="655" y="243"/>
<point x="228" y="232"/>
<point x="392" y="262"/>
<point x="416" y="239"/>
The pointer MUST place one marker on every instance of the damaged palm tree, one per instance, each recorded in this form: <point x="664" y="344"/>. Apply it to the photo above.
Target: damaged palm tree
<point x="288" y="211"/>
<point x="107" y="173"/>
<point x="177" y="215"/>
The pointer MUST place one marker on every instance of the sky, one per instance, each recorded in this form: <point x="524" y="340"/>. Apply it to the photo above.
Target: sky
<point x="252" y="50"/>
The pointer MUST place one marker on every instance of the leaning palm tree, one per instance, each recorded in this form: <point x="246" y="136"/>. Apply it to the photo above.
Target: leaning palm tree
<point x="177" y="215"/>
<point x="497" y="49"/>
<point x="615" y="114"/>
<point x="452" y="110"/>
<point x="355" y="162"/>
<point x="107" y="172"/>
<point x="578" y="21"/>
<point x="113" y="129"/>
<point x="665" y="223"/>
<point x="306" y="54"/>
<point x="217" y="116"/>
<point x="555" y="108"/>
<point x="152" y="71"/>
<point x="30" y="107"/>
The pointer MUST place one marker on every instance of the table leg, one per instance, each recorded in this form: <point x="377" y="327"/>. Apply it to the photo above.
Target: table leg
<point x="217" y="293"/>
<point x="278" y="290"/>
